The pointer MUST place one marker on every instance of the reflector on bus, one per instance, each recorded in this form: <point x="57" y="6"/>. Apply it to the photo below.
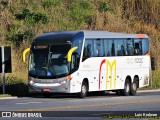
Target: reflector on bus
<point x="24" y="54"/>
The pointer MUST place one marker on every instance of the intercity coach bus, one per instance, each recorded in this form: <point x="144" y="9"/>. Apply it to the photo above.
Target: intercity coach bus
<point x="85" y="61"/>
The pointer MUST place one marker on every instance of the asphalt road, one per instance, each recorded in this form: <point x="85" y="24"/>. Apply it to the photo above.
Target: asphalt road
<point x="93" y="106"/>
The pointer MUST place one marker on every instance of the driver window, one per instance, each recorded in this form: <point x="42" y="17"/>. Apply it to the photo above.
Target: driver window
<point x="88" y="49"/>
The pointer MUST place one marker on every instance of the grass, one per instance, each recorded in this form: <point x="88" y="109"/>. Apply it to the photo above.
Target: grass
<point x="156" y="79"/>
<point x="15" y="86"/>
<point x="5" y="95"/>
<point x="24" y="20"/>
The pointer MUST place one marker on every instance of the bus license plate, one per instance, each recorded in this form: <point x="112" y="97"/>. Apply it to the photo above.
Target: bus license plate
<point x="46" y="90"/>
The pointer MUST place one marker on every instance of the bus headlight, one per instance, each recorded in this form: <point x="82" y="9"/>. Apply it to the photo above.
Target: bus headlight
<point x="63" y="82"/>
<point x="31" y="82"/>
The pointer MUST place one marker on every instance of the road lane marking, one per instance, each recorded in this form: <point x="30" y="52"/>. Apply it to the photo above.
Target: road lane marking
<point x="28" y="103"/>
<point x="91" y="105"/>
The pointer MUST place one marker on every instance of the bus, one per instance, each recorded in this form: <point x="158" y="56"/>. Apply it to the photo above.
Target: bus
<point x="86" y="61"/>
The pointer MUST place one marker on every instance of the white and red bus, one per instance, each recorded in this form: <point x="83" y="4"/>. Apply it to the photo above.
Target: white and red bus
<point x="85" y="61"/>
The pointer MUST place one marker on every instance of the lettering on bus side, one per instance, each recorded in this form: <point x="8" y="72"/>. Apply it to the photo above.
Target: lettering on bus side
<point x="109" y="74"/>
<point x="135" y="60"/>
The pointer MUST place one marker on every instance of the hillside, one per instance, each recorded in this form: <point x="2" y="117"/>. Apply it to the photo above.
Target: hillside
<point x="23" y="20"/>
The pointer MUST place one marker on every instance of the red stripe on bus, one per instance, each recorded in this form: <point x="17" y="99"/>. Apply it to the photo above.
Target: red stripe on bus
<point x="103" y="61"/>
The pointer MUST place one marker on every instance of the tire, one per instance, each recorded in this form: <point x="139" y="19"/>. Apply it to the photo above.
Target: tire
<point x="133" y="90"/>
<point x="127" y="88"/>
<point x="118" y="92"/>
<point x="84" y="90"/>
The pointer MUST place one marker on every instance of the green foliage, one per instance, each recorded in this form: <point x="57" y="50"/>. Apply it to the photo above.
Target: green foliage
<point x="80" y="11"/>
<point x="4" y="2"/>
<point x="103" y="7"/>
<point x="15" y="86"/>
<point x="4" y="95"/>
<point x="35" y="17"/>
<point x="32" y="17"/>
<point x="155" y="78"/>
<point x="48" y="3"/>
<point x="18" y="38"/>
<point x="85" y="5"/>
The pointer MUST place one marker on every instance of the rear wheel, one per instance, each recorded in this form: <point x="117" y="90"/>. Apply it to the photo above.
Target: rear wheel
<point x="118" y="92"/>
<point x="127" y="88"/>
<point x="133" y="90"/>
<point x="84" y="90"/>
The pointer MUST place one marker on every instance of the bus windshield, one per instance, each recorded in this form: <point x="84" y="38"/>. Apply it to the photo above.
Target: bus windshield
<point x="49" y="62"/>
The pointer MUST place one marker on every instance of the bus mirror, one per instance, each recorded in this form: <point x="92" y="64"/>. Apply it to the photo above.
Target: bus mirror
<point x="152" y="63"/>
<point x="69" y="55"/>
<point x="24" y="54"/>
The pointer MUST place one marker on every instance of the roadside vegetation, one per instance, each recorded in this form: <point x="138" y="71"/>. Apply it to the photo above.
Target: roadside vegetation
<point x="4" y="95"/>
<point x="23" y="20"/>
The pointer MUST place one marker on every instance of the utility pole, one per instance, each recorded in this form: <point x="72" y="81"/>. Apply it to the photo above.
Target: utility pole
<point x="3" y="70"/>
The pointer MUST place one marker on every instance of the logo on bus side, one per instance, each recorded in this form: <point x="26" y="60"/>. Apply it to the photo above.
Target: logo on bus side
<point x="110" y="68"/>
<point x="135" y="60"/>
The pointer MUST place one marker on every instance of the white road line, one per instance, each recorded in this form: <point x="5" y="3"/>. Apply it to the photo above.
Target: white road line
<point x="157" y="90"/>
<point x="28" y="103"/>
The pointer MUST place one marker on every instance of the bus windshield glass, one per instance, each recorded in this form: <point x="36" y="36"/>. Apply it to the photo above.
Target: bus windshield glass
<point x="49" y="62"/>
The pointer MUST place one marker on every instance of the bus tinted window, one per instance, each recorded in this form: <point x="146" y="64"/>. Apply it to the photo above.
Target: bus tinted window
<point x="88" y="49"/>
<point x="137" y="46"/>
<point x="120" y="47"/>
<point x="129" y="47"/>
<point x="116" y="47"/>
<point x="98" y="47"/>
<point x="109" y="47"/>
<point x="145" y="46"/>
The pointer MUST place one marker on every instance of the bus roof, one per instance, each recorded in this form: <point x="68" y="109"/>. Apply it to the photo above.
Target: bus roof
<point x="107" y="34"/>
<point x="63" y="36"/>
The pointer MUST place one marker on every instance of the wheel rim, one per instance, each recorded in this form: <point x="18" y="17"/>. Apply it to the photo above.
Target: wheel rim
<point x="127" y="88"/>
<point x="84" y="90"/>
<point x="134" y="86"/>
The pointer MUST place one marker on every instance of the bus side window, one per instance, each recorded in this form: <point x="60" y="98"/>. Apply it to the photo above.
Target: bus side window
<point x="113" y="49"/>
<point x="119" y="47"/>
<point x="129" y="47"/>
<point x="109" y="49"/>
<point x="145" y="46"/>
<point x="99" y="47"/>
<point x="87" y="52"/>
<point x="137" y="47"/>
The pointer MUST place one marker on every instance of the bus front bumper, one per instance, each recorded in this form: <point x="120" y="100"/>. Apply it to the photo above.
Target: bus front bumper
<point x="49" y="87"/>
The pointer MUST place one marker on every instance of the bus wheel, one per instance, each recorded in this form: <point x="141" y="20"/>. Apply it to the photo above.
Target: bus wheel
<point x="118" y="92"/>
<point x="133" y="90"/>
<point x="84" y="90"/>
<point x="127" y="88"/>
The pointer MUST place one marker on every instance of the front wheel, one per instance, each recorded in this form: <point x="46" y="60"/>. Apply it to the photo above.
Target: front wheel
<point x="127" y="88"/>
<point x="84" y="90"/>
